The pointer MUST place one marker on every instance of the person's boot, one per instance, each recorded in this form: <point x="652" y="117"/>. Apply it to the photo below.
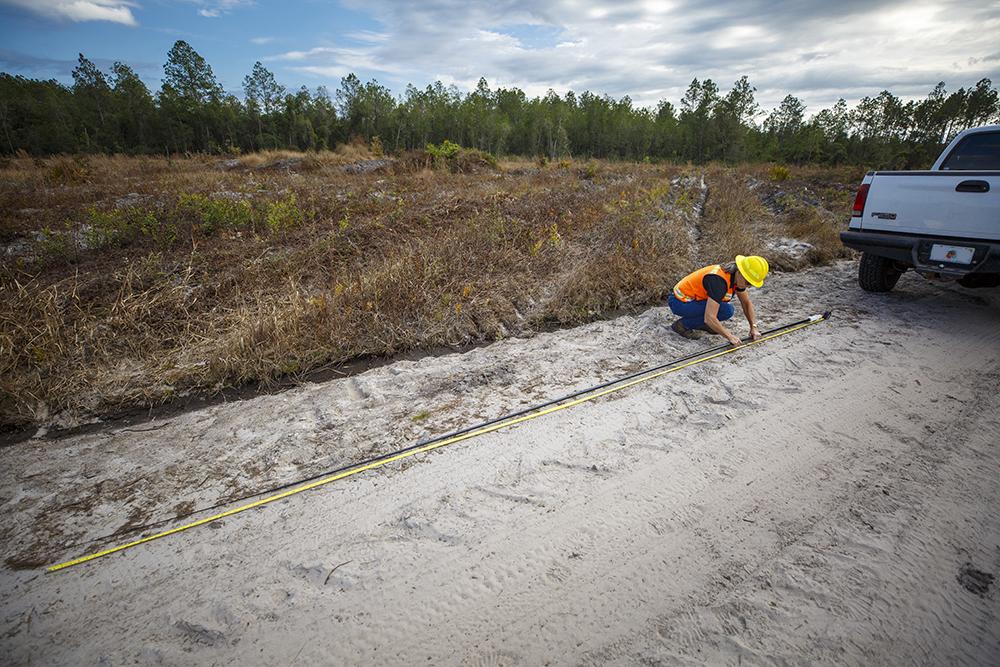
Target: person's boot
<point x="678" y="326"/>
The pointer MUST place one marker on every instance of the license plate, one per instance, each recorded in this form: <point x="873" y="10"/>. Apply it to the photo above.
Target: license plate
<point x="955" y="254"/>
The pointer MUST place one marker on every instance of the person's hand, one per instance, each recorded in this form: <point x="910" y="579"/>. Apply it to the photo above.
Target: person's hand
<point x="734" y="341"/>
<point x="754" y="333"/>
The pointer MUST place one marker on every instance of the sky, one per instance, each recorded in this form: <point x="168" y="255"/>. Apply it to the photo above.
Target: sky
<point x="649" y="50"/>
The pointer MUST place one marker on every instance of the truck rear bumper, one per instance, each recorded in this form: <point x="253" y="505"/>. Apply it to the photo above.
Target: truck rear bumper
<point x="914" y="251"/>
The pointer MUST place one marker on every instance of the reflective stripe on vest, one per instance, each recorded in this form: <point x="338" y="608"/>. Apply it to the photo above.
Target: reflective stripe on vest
<point x="690" y="288"/>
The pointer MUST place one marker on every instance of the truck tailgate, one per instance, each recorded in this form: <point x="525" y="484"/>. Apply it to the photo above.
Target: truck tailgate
<point x="938" y="203"/>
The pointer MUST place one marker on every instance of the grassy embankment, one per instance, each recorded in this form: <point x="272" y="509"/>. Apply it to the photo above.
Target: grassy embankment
<point x="128" y="282"/>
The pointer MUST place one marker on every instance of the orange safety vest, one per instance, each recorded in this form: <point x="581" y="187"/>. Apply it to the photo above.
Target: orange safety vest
<point x="690" y="288"/>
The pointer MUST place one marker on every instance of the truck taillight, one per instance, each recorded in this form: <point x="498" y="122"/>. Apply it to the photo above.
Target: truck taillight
<point x="859" y="201"/>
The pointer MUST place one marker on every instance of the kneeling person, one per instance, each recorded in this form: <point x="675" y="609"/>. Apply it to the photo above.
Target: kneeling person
<point x="702" y="299"/>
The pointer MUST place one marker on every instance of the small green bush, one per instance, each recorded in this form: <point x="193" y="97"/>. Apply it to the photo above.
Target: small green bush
<point x="55" y="245"/>
<point x="123" y="226"/>
<point x="456" y="159"/>
<point x="779" y="173"/>
<point x="283" y="214"/>
<point x="211" y="215"/>
<point x="446" y="151"/>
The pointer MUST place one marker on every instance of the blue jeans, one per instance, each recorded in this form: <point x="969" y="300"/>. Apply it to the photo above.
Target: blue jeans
<point x="692" y="313"/>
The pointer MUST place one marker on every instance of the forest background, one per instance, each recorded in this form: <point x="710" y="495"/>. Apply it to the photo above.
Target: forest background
<point x="115" y="112"/>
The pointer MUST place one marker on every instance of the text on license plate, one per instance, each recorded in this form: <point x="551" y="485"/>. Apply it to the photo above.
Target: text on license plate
<point x="952" y="253"/>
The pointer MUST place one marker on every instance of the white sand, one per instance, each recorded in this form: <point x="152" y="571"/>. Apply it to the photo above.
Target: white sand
<point x="827" y="497"/>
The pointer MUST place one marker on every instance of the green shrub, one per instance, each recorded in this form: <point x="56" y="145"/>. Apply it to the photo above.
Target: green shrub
<point x="55" y="245"/>
<point x="211" y="215"/>
<point x="446" y="151"/>
<point x="456" y="159"/>
<point x="283" y="214"/>
<point x="123" y="226"/>
<point x="779" y="173"/>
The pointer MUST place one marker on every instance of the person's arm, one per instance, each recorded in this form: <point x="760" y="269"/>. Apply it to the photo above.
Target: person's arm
<point x="748" y="310"/>
<point x="713" y="323"/>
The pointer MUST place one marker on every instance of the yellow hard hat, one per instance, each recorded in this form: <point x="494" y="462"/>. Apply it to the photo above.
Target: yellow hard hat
<point x="754" y="268"/>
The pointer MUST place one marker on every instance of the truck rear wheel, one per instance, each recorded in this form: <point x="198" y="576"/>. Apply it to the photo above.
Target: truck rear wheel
<point x="877" y="274"/>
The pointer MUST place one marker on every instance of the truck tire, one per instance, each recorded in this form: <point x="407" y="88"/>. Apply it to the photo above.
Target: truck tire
<point x="877" y="274"/>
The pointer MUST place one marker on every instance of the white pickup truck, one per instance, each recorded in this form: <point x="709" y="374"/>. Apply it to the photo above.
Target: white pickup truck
<point x="943" y="223"/>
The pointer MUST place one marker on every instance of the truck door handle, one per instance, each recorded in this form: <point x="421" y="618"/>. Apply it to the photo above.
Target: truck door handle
<point x="973" y="186"/>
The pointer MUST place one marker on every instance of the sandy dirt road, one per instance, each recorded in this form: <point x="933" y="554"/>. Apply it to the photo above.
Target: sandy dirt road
<point x="829" y="497"/>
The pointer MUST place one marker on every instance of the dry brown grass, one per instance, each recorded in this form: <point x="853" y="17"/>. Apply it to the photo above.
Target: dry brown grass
<point x="735" y="221"/>
<point x="344" y="154"/>
<point x="127" y="282"/>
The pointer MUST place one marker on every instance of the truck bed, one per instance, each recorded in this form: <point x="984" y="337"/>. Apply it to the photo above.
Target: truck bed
<point x="962" y="204"/>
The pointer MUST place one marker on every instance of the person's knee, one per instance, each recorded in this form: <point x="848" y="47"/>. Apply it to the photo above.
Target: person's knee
<point x="725" y="311"/>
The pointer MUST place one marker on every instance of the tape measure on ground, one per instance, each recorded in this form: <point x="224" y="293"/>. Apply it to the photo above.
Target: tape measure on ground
<point x="527" y="414"/>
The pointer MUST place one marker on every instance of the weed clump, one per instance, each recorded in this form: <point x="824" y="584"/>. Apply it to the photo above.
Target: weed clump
<point x="120" y="227"/>
<point x="458" y="160"/>
<point x="446" y="151"/>
<point x="283" y="214"/>
<point x="589" y="171"/>
<point x="779" y="173"/>
<point x="67" y="171"/>
<point x="211" y="214"/>
<point x="55" y="245"/>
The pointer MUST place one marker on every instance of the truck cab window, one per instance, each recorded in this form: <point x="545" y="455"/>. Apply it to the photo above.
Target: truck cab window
<point x="977" y="152"/>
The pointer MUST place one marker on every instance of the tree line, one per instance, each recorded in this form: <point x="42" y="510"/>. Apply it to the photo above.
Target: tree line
<point x="115" y="112"/>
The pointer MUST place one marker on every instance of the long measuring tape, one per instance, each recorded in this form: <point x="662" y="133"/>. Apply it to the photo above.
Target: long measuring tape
<point x="533" y="412"/>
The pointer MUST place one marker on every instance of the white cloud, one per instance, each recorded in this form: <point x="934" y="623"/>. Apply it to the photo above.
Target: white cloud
<point x="334" y="62"/>
<point x="652" y="50"/>
<point x="115" y="11"/>
<point x="261" y="40"/>
<point x="213" y="9"/>
<point x="367" y="36"/>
